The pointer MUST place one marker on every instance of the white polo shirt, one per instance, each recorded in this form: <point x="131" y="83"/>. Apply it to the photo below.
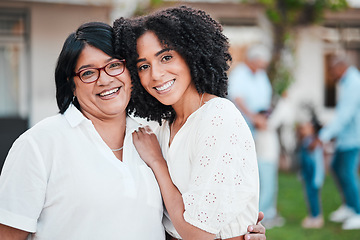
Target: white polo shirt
<point x="61" y="181"/>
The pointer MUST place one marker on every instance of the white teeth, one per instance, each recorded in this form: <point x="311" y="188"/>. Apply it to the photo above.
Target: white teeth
<point x="109" y="92"/>
<point x="165" y="86"/>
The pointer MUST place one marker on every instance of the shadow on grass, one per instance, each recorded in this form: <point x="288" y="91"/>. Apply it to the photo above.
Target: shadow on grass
<point x="292" y="206"/>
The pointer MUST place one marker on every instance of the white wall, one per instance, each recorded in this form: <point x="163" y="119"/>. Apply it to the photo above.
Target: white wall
<point x="309" y="66"/>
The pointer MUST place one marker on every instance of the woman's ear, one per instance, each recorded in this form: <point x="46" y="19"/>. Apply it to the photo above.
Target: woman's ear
<point x="74" y="96"/>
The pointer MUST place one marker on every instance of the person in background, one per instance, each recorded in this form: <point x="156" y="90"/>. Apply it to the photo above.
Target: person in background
<point x="312" y="168"/>
<point x="209" y="180"/>
<point x="345" y="129"/>
<point x="250" y="90"/>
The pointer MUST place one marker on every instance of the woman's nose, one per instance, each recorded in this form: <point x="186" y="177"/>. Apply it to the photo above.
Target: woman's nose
<point x="157" y="72"/>
<point x="104" y="78"/>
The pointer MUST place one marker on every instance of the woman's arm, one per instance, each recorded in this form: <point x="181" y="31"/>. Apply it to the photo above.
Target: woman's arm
<point x="9" y="233"/>
<point x="149" y="150"/>
<point x="148" y="147"/>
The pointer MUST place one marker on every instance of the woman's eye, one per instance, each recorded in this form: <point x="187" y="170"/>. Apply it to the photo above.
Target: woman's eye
<point x="167" y="58"/>
<point x="87" y="73"/>
<point x="115" y="65"/>
<point x="143" y="67"/>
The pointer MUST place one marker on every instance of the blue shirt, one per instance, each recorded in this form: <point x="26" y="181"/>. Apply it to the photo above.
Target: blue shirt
<point x="345" y="126"/>
<point x="253" y="88"/>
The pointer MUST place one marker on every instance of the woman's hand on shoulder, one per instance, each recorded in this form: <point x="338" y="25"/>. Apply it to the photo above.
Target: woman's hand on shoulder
<point x="147" y="145"/>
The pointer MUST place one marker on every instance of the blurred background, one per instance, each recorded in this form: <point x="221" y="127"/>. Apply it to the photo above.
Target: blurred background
<point x="302" y="35"/>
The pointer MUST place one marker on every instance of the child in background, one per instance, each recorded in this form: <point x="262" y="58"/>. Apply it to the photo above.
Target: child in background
<point x="312" y="171"/>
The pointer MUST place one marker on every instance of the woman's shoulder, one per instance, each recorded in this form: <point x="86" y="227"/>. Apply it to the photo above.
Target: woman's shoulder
<point x="220" y="113"/>
<point x="222" y="107"/>
<point x="49" y="127"/>
<point x="41" y="134"/>
<point x="49" y="124"/>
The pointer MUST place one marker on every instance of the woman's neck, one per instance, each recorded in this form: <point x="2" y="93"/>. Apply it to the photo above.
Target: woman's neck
<point x="112" y="131"/>
<point x="183" y="109"/>
<point x="189" y="103"/>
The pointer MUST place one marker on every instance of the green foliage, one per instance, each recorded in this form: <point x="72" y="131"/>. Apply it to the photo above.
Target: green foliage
<point x="299" y="12"/>
<point x="286" y="16"/>
<point x="143" y="9"/>
<point x="155" y="3"/>
<point x="283" y="78"/>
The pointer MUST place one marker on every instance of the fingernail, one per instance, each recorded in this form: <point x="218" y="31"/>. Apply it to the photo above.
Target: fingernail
<point x="251" y="229"/>
<point x="247" y="237"/>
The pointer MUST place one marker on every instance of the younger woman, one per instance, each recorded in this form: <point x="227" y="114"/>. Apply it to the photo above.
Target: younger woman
<point x="209" y="182"/>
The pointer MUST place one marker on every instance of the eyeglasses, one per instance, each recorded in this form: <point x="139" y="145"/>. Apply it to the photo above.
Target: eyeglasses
<point x="113" y="69"/>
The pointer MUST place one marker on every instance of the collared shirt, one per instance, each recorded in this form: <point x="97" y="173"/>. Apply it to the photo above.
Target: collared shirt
<point x="345" y="126"/>
<point x="253" y="88"/>
<point x="62" y="181"/>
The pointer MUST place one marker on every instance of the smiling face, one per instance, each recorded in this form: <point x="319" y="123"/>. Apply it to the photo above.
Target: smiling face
<point x="108" y="96"/>
<point x="163" y="72"/>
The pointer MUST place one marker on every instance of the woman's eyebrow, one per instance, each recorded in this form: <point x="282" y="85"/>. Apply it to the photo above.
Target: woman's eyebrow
<point x="85" y="66"/>
<point x="91" y="65"/>
<point x="156" y="54"/>
<point x="141" y="60"/>
<point x="162" y="50"/>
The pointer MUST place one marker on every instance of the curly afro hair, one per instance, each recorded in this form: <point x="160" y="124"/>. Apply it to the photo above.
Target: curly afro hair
<point x="194" y="35"/>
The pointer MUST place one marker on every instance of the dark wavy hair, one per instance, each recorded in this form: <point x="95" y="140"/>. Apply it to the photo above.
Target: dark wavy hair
<point x="194" y="35"/>
<point x="97" y="34"/>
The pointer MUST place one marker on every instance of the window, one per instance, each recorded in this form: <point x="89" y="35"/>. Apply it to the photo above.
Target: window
<point x="330" y="85"/>
<point x="14" y="77"/>
<point x="344" y="39"/>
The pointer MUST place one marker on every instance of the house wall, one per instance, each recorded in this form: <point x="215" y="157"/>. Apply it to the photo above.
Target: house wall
<point x="49" y="25"/>
<point x="309" y="68"/>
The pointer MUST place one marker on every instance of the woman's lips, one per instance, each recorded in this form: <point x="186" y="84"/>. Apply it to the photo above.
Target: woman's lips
<point x="164" y="86"/>
<point x="109" y="93"/>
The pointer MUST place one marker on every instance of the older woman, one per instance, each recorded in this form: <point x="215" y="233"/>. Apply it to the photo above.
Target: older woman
<point x="77" y="175"/>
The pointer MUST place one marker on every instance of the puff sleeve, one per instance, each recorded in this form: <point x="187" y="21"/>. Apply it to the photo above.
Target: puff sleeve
<point x="224" y="186"/>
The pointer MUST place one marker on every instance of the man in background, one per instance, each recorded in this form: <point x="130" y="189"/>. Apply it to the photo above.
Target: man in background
<point x="250" y="90"/>
<point x="345" y="128"/>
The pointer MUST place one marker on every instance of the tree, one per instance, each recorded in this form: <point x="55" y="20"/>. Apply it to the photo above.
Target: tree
<point x="286" y="16"/>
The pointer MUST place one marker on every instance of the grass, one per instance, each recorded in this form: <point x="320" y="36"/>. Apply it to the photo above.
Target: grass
<point x="292" y="206"/>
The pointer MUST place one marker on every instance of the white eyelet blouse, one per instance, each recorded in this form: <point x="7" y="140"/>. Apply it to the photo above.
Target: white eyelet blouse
<point x="212" y="161"/>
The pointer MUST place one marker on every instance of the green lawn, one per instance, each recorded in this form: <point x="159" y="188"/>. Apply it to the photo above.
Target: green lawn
<point x="292" y="206"/>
